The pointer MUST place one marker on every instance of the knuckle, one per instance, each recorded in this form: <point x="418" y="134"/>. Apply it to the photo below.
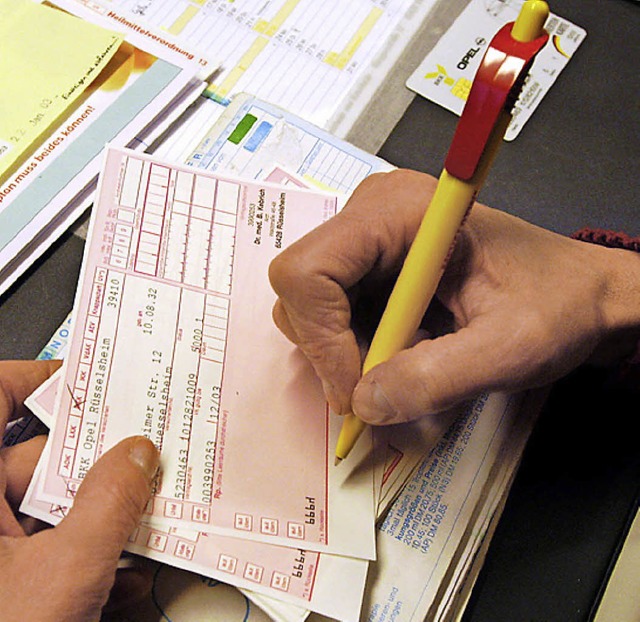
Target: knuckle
<point x="281" y="271"/>
<point x="291" y="270"/>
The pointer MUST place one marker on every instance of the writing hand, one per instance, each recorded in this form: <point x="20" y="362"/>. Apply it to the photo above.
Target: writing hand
<point x="526" y="305"/>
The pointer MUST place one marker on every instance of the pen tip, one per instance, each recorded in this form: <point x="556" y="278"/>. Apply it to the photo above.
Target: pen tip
<point x="337" y="461"/>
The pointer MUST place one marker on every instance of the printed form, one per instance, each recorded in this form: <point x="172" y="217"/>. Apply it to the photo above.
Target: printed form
<point x="253" y="136"/>
<point x="284" y="581"/>
<point x="432" y="540"/>
<point x="173" y="339"/>
<point x="302" y="55"/>
<point x="338" y="582"/>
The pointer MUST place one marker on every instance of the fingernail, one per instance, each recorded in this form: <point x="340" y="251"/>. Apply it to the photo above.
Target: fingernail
<point x="144" y="455"/>
<point x="371" y="404"/>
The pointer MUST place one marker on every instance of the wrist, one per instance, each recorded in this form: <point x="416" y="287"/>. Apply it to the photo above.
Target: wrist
<point x="621" y="301"/>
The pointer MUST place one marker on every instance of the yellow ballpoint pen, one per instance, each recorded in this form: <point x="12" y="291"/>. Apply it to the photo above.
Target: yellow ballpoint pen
<point x="479" y="133"/>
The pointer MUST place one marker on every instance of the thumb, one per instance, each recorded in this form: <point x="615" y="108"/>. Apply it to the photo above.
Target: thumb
<point x="437" y="374"/>
<point x="110" y="502"/>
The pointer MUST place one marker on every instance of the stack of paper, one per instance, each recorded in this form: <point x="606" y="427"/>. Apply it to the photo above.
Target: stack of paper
<point x="313" y="59"/>
<point x="57" y="116"/>
<point x="176" y="271"/>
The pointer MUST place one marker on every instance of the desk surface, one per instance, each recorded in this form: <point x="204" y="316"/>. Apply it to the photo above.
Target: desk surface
<point x="574" y="164"/>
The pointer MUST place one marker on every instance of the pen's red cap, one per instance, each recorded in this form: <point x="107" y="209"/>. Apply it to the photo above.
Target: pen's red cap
<point x="495" y="87"/>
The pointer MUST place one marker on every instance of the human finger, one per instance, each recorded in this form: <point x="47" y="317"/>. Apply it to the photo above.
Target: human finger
<point x="281" y="320"/>
<point x="109" y="503"/>
<point x="18" y="379"/>
<point x="74" y="564"/>
<point x="20" y="462"/>
<point x="437" y="374"/>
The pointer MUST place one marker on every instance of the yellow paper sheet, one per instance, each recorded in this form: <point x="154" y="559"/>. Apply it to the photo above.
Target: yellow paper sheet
<point x="48" y="58"/>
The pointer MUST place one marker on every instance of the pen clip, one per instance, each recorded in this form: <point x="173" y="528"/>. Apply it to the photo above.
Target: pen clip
<point x="496" y="87"/>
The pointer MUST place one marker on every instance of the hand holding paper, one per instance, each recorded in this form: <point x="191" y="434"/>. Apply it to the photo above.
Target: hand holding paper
<point x="108" y="506"/>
